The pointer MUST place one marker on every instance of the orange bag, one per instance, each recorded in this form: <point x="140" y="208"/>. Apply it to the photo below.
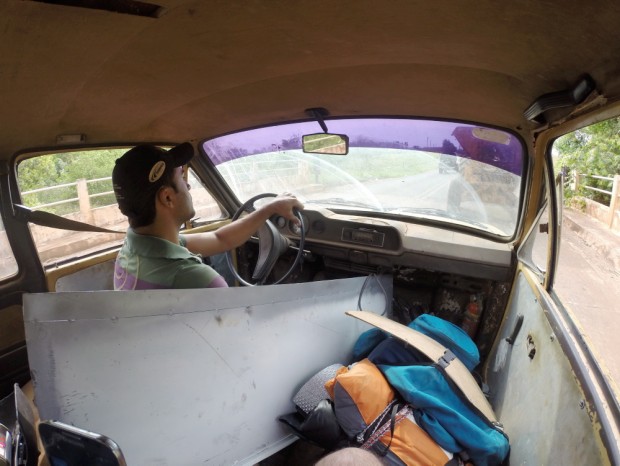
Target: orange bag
<point x="372" y="416"/>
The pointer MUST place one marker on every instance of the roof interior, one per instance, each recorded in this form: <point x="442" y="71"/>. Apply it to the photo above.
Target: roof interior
<point x="207" y="67"/>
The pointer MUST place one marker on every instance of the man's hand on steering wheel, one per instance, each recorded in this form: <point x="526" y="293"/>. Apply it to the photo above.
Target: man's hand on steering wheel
<point x="284" y="205"/>
<point x="271" y="244"/>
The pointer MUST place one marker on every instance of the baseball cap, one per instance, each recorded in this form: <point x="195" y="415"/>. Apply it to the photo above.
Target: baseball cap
<point x="140" y="172"/>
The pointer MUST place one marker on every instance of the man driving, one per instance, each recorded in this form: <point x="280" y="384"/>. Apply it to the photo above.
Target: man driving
<point x="151" y="191"/>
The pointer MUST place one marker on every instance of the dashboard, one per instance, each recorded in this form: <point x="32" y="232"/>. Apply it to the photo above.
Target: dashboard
<point x="386" y="243"/>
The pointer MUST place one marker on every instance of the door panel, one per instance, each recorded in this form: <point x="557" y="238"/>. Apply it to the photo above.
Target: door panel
<point x="548" y="389"/>
<point x="21" y="271"/>
<point x="537" y="392"/>
<point x="13" y="357"/>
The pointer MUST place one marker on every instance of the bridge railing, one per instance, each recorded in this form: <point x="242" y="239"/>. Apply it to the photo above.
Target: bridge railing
<point x="606" y="212"/>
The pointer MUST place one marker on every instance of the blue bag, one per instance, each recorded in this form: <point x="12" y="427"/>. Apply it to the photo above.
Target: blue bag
<point x="449" y="420"/>
<point x="381" y="349"/>
<point x="366" y="342"/>
<point x="449" y="335"/>
<point x="438" y="405"/>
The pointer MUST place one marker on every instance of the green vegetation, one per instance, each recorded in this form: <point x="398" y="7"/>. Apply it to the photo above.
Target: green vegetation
<point x="66" y="168"/>
<point x="594" y="150"/>
<point x="375" y="164"/>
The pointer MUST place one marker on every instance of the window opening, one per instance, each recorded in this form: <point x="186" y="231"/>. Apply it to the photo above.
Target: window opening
<point x="78" y="186"/>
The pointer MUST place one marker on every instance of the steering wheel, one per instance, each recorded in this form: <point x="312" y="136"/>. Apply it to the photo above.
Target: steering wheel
<point x="271" y="245"/>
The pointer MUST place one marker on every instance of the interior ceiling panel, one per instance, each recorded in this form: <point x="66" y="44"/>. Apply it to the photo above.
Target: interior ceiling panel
<point x="200" y="68"/>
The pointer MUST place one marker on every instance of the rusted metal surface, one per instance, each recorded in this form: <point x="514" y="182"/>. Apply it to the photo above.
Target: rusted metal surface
<point x="536" y="395"/>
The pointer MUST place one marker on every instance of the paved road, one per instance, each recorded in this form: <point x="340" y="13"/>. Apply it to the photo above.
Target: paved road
<point x="588" y="283"/>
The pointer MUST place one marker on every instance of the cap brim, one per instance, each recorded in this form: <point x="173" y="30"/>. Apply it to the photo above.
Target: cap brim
<point x="181" y="154"/>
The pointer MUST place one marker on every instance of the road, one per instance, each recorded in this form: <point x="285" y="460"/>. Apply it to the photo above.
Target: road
<point x="588" y="284"/>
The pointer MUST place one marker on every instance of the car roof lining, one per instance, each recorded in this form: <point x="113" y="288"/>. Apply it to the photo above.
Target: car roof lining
<point x="206" y="68"/>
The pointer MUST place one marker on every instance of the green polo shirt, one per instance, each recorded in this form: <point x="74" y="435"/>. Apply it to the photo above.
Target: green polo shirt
<point x="148" y="262"/>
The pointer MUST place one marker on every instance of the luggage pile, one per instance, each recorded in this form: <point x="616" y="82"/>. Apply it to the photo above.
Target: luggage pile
<point x="410" y="398"/>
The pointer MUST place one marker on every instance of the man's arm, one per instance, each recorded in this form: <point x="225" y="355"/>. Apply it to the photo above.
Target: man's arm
<point x="238" y="232"/>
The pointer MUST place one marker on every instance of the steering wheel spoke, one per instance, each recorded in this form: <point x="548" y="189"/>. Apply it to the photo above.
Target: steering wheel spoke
<point x="271" y="245"/>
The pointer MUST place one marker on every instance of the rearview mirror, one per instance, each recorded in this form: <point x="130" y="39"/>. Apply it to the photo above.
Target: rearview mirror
<point x="325" y="143"/>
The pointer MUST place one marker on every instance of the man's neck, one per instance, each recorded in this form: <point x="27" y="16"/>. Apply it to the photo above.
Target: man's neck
<point x="168" y="232"/>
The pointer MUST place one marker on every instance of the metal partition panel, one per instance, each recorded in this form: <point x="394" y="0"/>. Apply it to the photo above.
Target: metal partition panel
<point x="181" y="377"/>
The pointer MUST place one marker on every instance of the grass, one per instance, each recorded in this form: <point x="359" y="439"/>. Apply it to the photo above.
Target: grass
<point x="376" y="163"/>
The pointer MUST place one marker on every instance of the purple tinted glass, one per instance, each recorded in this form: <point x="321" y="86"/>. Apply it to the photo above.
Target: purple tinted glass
<point x="441" y="171"/>
<point x="490" y="146"/>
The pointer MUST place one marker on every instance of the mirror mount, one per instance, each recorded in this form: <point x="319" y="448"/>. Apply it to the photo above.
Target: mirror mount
<point x="319" y="114"/>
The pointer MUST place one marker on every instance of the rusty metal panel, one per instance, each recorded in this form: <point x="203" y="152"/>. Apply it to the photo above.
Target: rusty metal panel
<point x="535" y="393"/>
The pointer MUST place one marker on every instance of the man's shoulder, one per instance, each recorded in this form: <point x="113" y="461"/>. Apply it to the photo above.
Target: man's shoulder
<point x="166" y="272"/>
<point x="166" y="264"/>
<point x="154" y="247"/>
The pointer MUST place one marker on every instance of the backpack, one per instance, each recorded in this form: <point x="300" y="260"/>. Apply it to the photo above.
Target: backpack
<point x="374" y="417"/>
<point x="458" y="419"/>
<point x="449" y="335"/>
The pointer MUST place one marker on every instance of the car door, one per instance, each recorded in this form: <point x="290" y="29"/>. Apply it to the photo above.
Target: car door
<point x="547" y="387"/>
<point x="20" y="271"/>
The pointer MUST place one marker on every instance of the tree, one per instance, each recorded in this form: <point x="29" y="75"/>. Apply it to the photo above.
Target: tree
<point x="51" y="170"/>
<point x="593" y="150"/>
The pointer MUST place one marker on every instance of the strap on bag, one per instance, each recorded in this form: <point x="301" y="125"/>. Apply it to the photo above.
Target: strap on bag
<point x="397" y="412"/>
<point x="436" y="352"/>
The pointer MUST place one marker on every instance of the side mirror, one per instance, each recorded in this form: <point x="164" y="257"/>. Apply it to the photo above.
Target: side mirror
<point x="325" y="143"/>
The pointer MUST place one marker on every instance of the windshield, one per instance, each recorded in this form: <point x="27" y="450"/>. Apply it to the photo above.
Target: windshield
<point x="408" y="169"/>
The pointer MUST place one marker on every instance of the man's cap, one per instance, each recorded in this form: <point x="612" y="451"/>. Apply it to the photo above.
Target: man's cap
<point x="139" y="174"/>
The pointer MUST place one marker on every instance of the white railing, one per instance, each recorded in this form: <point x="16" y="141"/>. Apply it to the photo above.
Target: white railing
<point x="580" y="181"/>
<point x="83" y="195"/>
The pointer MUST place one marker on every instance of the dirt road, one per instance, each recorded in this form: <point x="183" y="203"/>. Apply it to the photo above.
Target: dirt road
<point x="588" y="283"/>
